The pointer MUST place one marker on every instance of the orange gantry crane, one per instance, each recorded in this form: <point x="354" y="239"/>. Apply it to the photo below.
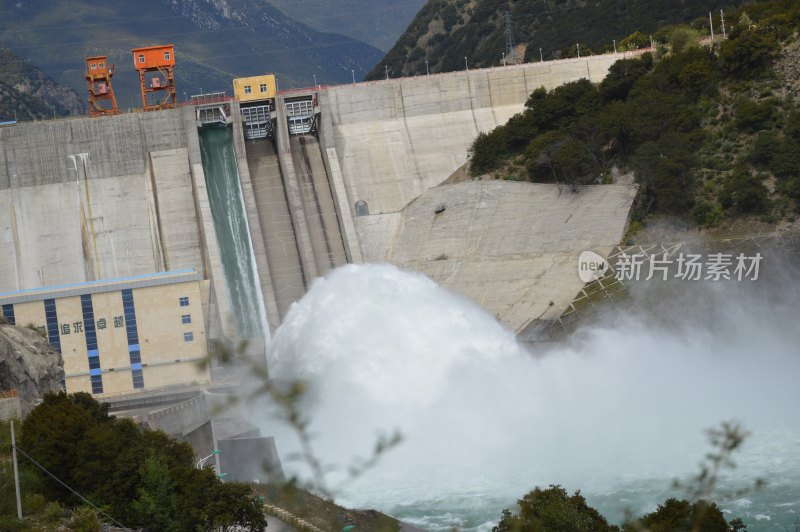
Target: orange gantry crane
<point x="155" y="65"/>
<point x="101" y="94"/>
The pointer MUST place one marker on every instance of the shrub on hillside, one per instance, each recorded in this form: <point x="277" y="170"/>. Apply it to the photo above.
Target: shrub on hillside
<point x="561" y="107"/>
<point x="666" y="170"/>
<point x="748" y="55"/>
<point x="785" y="161"/>
<point x="763" y="148"/>
<point x="682" y="516"/>
<point x="751" y="115"/>
<point x="682" y="37"/>
<point x="706" y="213"/>
<point x="488" y="151"/>
<point x="623" y="75"/>
<point x="634" y="41"/>
<point x="745" y="192"/>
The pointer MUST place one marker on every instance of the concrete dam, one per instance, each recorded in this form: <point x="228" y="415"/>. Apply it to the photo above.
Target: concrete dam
<point x="347" y="174"/>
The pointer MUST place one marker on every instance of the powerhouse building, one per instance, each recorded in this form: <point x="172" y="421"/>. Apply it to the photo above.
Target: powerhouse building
<point x="119" y="336"/>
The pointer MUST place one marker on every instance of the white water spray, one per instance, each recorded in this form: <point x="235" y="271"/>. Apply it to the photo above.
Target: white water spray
<point x="484" y="421"/>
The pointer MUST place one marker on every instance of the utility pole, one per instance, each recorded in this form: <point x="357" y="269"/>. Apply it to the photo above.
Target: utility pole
<point x="16" y="472"/>
<point x="711" y="23"/>
<point x="722" y="17"/>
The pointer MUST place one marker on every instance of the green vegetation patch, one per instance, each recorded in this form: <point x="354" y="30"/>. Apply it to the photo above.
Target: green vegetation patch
<point x="708" y="131"/>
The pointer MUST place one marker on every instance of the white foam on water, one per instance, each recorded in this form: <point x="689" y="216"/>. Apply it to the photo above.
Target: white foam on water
<point x="485" y="421"/>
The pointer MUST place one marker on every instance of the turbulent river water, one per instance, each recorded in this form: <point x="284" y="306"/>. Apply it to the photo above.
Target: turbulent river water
<point x="617" y="411"/>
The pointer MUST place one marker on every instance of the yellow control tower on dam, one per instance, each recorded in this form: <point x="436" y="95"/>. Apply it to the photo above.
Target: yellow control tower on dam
<point x="256" y="96"/>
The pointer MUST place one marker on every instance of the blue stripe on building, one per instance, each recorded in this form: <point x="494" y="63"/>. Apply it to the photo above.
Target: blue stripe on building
<point x="133" y="338"/>
<point x="8" y="314"/>
<point x="90" y="334"/>
<point x="52" y="324"/>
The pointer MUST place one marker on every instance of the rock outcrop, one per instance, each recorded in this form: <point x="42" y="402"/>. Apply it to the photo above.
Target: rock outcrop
<point x="28" y="365"/>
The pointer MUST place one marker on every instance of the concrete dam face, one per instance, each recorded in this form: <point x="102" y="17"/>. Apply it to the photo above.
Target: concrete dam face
<point x="349" y="174"/>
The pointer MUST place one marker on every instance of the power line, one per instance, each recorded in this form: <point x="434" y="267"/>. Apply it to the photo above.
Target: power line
<point x="40" y="466"/>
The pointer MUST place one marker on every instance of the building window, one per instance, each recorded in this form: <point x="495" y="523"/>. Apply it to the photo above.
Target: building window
<point x="263" y="87"/>
<point x="101" y="65"/>
<point x="186" y="318"/>
<point x="138" y="378"/>
<point x="184" y="301"/>
<point x="188" y="337"/>
<point x="93" y="66"/>
<point x="361" y="208"/>
<point x="166" y="56"/>
<point x="52" y="324"/>
<point x="247" y="89"/>
<point x="97" y="383"/>
<point x="141" y="58"/>
<point x="8" y="314"/>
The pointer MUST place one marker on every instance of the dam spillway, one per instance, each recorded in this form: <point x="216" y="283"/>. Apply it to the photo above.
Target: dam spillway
<point x="233" y="235"/>
<point x="285" y="268"/>
<point x="315" y="189"/>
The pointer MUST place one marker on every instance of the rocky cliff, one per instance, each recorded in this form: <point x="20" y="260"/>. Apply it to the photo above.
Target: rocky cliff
<point x="28" y="94"/>
<point x="28" y="365"/>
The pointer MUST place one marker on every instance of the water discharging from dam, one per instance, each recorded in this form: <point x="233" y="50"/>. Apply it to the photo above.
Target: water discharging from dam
<point x="230" y="223"/>
<point x="617" y="412"/>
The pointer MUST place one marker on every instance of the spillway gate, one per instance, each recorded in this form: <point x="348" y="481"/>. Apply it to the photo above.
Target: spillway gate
<point x="211" y="109"/>
<point x="300" y="114"/>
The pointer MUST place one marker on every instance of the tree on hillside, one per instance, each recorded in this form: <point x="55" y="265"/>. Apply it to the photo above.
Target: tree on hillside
<point x="139" y="477"/>
<point x="682" y="37"/>
<point x="634" y="41"/>
<point x="682" y="516"/>
<point x="553" y="509"/>
<point x="748" y="54"/>
<point x="623" y="75"/>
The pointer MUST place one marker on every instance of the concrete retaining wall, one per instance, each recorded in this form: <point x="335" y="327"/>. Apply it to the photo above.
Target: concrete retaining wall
<point x="86" y="199"/>
<point x="512" y="248"/>
<point x="397" y="138"/>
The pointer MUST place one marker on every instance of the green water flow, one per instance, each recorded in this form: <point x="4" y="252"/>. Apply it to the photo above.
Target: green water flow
<point x="230" y="222"/>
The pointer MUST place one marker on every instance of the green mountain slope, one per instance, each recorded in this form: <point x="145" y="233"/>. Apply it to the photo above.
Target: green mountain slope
<point x="711" y="133"/>
<point x="446" y="31"/>
<point x="27" y="93"/>
<point x="214" y="42"/>
<point x="375" y="22"/>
